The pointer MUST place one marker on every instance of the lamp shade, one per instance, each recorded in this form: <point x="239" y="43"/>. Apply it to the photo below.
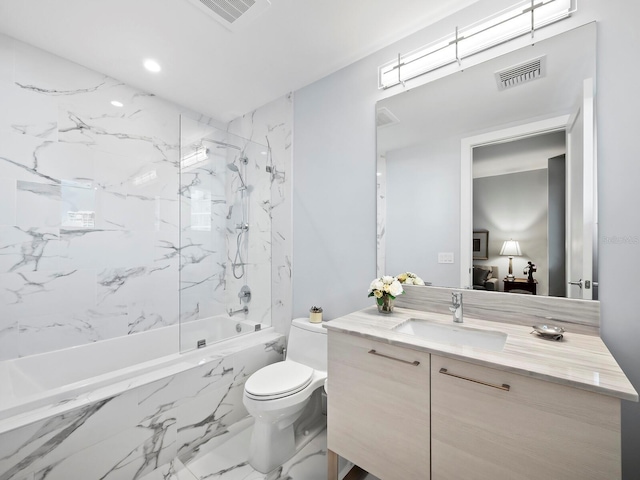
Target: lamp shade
<point x="511" y="248"/>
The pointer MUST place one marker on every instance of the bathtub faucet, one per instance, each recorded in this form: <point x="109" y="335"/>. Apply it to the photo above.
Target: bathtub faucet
<point x="244" y="309"/>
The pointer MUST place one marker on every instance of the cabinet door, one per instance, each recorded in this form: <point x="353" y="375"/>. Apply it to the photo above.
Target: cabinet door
<point x="535" y="430"/>
<point x="378" y="407"/>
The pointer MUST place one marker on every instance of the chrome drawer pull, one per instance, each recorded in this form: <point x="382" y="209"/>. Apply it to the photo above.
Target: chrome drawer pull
<point x="415" y="363"/>
<point x="504" y="386"/>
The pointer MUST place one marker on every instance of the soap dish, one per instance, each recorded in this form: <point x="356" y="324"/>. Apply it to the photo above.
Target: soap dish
<point x="549" y="331"/>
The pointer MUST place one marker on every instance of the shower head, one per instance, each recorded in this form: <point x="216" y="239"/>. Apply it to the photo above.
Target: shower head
<point x="234" y="168"/>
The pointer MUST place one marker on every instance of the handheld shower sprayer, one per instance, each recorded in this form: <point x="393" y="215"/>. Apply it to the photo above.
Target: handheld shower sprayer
<point x="234" y="168"/>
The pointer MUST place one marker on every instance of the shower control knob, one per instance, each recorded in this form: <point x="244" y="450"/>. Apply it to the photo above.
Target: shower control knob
<point x="245" y="294"/>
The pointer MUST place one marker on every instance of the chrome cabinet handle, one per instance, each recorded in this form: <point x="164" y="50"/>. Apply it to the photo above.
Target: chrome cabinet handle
<point x="415" y="363"/>
<point x="504" y="386"/>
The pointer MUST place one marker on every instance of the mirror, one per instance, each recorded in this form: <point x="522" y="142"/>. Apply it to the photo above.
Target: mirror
<point x="433" y="140"/>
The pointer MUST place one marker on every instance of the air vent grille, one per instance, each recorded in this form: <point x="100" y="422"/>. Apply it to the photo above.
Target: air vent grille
<point x="385" y="117"/>
<point x="522" y="73"/>
<point x="232" y="13"/>
<point x="229" y="10"/>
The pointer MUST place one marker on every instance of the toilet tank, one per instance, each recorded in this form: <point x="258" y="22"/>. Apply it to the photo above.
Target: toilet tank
<point x="308" y="344"/>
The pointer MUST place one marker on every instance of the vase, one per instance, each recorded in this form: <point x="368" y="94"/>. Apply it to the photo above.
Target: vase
<point x="387" y="304"/>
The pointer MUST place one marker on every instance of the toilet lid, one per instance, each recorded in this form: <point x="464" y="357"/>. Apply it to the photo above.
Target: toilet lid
<point x="279" y="379"/>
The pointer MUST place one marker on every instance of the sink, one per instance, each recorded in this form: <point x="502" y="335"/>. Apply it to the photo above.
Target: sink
<point x="453" y="334"/>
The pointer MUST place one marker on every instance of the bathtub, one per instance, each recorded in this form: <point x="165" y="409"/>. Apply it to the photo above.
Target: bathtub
<point x="123" y="408"/>
<point x="58" y="377"/>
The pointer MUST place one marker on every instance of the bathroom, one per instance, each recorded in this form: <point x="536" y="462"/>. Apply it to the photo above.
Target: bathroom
<point x="319" y="137"/>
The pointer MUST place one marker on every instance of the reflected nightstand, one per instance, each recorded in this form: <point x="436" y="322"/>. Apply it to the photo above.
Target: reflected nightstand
<point x="520" y="284"/>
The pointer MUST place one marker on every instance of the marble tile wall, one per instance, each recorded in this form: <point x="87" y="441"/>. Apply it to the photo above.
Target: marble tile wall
<point x="130" y="434"/>
<point x="272" y="125"/>
<point x="89" y="207"/>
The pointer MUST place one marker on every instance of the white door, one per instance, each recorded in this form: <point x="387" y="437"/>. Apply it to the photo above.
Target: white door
<point x="581" y="195"/>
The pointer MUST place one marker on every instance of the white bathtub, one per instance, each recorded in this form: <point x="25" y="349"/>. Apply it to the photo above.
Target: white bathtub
<point x="56" y="378"/>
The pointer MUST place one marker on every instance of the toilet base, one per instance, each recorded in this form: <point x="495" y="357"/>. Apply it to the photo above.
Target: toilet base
<point x="271" y="446"/>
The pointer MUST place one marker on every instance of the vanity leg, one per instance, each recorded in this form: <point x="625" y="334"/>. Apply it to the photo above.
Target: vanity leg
<point x="332" y="465"/>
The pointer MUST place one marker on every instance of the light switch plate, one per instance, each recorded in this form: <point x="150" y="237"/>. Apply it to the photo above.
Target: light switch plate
<point x="445" y="257"/>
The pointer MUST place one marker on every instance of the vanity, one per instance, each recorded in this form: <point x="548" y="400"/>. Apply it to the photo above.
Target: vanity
<point x="413" y="395"/>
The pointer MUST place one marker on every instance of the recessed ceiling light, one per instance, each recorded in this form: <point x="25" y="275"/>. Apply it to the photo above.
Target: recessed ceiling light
<point x="152" y="65"/>
<point x="116" y="103"/>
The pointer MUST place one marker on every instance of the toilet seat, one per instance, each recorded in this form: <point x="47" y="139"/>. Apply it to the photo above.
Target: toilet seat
<point x="278" y="380"/>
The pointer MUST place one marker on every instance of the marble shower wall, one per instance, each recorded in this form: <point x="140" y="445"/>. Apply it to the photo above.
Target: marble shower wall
<point x="272" y="124"/>
<point x="89" y="204"/>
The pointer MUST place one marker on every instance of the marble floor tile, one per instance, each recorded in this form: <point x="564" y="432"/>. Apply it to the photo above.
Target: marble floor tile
<point x="229" y="461"/>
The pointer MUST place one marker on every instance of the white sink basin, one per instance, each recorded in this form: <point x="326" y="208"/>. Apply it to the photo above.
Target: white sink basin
<point x="453" y="334"/>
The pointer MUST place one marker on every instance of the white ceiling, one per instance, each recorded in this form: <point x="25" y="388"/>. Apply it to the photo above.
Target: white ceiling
<point x="206" y="67"/>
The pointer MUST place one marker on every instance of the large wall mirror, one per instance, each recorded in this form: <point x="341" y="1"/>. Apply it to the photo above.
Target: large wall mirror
<point x="467" y="164"/>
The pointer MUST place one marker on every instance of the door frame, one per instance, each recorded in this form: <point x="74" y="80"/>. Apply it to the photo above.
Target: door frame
<point x="530" y="129"/>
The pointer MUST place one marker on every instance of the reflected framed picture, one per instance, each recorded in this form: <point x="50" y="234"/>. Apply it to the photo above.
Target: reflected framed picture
<point x="481" y="245"/>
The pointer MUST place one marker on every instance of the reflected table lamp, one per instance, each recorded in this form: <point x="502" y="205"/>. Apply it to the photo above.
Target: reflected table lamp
<point x="510" y="248"/>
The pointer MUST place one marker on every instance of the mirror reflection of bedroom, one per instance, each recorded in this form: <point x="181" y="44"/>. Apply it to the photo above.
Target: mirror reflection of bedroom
<point x="519" y="215"/>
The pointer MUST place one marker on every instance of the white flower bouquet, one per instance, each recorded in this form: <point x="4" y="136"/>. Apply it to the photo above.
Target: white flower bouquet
<point x="385" y="288"/>
<point x="409" y="278"/>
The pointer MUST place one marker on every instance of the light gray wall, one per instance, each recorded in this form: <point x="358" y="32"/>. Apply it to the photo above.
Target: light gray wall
<point x="514" y="206"/>
<point x="422" y="176"/>
<point x="334" y="184"/>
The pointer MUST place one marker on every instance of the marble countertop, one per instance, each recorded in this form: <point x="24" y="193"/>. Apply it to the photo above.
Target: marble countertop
<point x="578" y="360"/>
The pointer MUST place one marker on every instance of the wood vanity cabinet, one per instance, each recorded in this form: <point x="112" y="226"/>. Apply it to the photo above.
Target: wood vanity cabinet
<point x="378" y="406"/>
<point x="534" y="430"/>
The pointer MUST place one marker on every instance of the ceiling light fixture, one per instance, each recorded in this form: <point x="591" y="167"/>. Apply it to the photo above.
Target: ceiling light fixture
<point x="521" y="19"/>
<point x="116" y="103"/>
<point x="152" y="65"/>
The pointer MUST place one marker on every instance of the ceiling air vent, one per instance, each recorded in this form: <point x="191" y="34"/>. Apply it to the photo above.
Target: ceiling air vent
<point x="522" y="73"/>
<point x="232" y="13"/>
<point x="384" y="117"/>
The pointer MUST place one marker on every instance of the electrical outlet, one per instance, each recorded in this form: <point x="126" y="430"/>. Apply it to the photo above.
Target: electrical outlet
<point x="445" y="257"/>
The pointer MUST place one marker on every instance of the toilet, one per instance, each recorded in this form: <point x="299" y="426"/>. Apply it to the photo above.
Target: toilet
<point x="285" y="398"/>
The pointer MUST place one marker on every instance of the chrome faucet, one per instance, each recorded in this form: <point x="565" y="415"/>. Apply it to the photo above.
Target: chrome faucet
<point x="456" y="307"/>
<point x="244" y="309"/>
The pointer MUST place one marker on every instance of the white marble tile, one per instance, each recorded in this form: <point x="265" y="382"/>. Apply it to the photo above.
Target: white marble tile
<point x="41" y="334"/>
<point x="51" y="441"/>
<point x="174" y="470"/>
<point x="175" y="391"/>
<point x="28" y="249"/>
<point x="38" y="204"/>
<point x="26" y="112"/>
<point x="230" y="461"/>
<point x="202" y="419"/>
<point x="8" y="339"/>
<point x="31" y="294"/>
<point x="74" y="163"/>
<point x="79" y="248"/>
<point x="126" y="456"/>
<point x="7" y="60"/>
<point x="7" y="201"/>
<point x="19" y="155"/>
<point x="51" y="75"/>
<point x="272" y="125"/>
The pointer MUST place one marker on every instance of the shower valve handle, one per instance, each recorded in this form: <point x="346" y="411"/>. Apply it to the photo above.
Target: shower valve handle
<point x="245" y="294"/>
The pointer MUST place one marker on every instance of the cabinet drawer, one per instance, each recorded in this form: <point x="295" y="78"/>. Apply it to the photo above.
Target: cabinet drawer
<point x="490" y="424"/>
<point x="378" y="406"/>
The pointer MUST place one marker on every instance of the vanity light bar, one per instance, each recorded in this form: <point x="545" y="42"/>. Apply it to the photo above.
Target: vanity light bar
<point x="200" y="154"/>
<point x="513" y="22"/>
